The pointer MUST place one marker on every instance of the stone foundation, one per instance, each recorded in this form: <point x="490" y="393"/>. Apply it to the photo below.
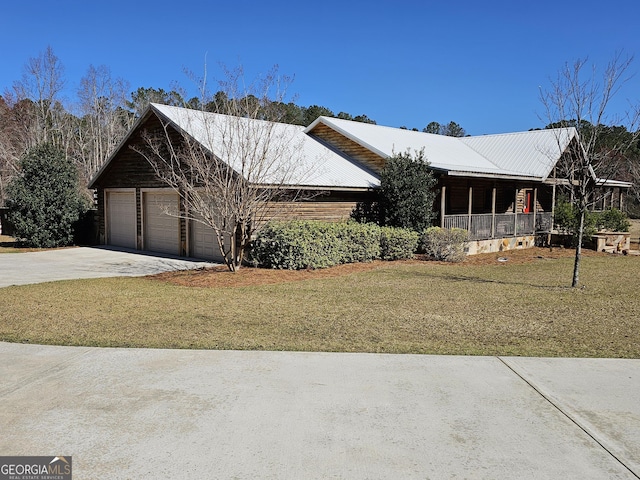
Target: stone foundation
<point x="501" y="244"/>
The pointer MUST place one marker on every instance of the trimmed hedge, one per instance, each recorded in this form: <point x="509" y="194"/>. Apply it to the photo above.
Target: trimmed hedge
<point x="397" y="243"/>
<point x="444" y="244"/>
<point x="300" y="244"/>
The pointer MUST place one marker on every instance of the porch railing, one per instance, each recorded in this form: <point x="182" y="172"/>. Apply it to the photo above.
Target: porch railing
<point x="482" y="226"/>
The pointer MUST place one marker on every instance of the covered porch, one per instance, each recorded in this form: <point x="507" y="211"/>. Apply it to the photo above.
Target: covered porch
<point x="496" y="209"/>
<point x="484" y="226"/>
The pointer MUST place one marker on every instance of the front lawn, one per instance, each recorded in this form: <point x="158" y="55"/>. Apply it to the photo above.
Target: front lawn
<point x="482" y="307"/>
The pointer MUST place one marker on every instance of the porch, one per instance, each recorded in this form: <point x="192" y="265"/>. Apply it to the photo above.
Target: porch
<point x="498" y="214"/>
<point x="486" y="226"/>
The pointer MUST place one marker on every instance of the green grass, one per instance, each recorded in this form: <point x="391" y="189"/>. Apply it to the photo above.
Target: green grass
<point x="502" y="309"/>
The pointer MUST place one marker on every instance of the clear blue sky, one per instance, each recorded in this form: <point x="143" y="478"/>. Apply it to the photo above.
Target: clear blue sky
<point x="399" y="62"/>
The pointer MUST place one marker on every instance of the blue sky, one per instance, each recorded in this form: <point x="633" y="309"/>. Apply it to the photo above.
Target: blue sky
<point x="402" y="63"/>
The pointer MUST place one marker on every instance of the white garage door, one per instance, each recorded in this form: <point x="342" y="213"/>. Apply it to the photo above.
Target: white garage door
<point x="161" y="230"/>
<point x="204" y="243"/>
<point x="121" y="219"/>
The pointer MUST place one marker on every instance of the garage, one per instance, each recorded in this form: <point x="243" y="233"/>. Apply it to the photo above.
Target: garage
<point x="161" y="231"/>
<point x="203" y="242"/>
<point x="121" y="218"/>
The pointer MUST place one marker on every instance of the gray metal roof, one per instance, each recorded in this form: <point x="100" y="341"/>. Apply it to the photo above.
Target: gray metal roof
<point x="287" y="154"/>
<point x="516" y="155"/>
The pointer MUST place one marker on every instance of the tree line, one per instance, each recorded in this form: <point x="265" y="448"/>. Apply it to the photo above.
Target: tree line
<point x="88" y="127"/>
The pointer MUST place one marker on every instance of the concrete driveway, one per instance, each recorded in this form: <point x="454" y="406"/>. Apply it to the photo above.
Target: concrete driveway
<point x="165" y="414"/>
<point x="86" y="262"/>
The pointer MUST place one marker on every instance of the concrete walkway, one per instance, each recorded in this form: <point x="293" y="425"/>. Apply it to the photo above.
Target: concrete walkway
<point x="86" y="262"/>
<point x="135" y="413"/>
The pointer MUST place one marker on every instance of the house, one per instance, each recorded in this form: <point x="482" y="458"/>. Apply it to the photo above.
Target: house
<point x="501" y="188"/>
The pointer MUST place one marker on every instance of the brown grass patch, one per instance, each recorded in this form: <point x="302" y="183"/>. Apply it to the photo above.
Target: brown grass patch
<point x="523" y="306"/>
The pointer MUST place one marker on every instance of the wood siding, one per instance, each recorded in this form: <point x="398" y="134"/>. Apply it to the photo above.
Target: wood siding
<point x="356" y="151"/>
<point x="129" y="169"/>
<point x="327" y="211"/>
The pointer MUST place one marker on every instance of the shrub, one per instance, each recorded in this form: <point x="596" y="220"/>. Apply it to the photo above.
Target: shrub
<point x="361" y="242"/>
<point x="406" y="194"/>
<point x="296" y="245"/>
<point x="44" y="200"/>
<point x="445" y="244"/>
<point x="567" y="219"/>
<point x="612" y="220"/>
<point x="397" y="243"/>
<point x="289" y="245"/>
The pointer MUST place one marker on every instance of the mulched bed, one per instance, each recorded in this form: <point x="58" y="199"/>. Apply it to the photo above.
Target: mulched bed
<point x="218" y="277"/>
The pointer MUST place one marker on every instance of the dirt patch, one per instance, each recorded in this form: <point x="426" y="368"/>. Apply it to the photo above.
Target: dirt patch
<point x="219" y="277"/>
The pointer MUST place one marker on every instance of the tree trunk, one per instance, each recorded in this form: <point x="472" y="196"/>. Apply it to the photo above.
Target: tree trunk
<point x="576" y="263"/>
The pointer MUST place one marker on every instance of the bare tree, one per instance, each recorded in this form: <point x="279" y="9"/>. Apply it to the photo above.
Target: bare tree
<point x="12" y="144"/>
<point x="102" y="120"/>
<point x="581" y="97"/>
<point x="232" y="171"/>
<point x="41" y="84"/>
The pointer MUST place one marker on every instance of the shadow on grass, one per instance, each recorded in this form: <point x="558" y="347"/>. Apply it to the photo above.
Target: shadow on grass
<point x="481" y="280"/>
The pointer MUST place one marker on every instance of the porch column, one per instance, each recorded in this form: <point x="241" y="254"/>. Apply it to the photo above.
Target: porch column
<point x="620" y="191"/>
<point x="612" y="197"/>
<point x="515" y="213"/>
<point x="535" y="208"/>
<point x="443" y="197"/>
<point x="470" y="208"/>
<point x="493" y="212"/>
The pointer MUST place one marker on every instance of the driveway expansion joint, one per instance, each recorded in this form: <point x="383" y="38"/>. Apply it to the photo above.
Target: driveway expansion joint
<point x="576" y="421"/>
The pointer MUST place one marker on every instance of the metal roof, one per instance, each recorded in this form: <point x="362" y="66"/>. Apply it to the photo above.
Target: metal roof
<point x="518" y="155"/>
<point x="303" y="160"/>
<point x="290" y="156"/>
<point x="533" y="153"/>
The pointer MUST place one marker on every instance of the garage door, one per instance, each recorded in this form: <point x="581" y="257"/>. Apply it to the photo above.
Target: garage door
<point x="204" y="243"/>
<point x="121" y="219"/>
<point x="161" y="230"/>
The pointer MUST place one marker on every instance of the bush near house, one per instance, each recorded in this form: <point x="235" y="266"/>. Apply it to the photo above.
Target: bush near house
<point x="44" y="199"/>
<point x="567" y="220"/>
<point x="405" y="197"/>
<point x="297" y="245"/>
<point x="444" y="244"/>
<point x="397" y="243"/>
<point x="612" y="220"/>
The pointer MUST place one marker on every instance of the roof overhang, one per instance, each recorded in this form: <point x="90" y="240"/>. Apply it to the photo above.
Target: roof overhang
<point x="497" y="176"/>
<point x="604" y="182"/>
